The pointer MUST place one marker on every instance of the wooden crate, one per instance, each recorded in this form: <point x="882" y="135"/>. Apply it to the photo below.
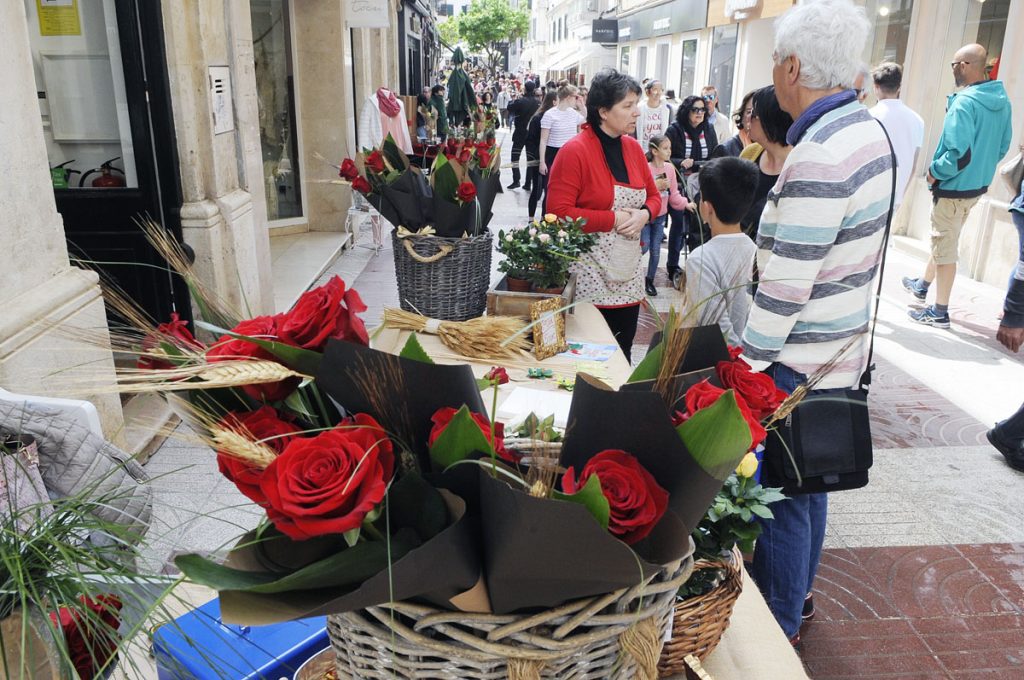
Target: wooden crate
<point x="503" y="302"/>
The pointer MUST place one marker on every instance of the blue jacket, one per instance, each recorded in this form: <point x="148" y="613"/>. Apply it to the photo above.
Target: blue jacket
<point x="975" y="136"/>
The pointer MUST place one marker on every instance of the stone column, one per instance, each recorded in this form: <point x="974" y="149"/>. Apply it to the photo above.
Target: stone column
<point x="45" y="300"/>
<point x="217" y="214"/>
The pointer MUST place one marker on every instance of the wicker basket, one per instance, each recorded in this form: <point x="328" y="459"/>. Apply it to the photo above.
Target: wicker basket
<point x="443" y="278"/>
<point x="699" y="622"/>
<point x="618" y="635"/>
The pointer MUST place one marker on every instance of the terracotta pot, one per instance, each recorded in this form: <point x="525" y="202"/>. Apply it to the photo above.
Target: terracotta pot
<point x="517" y="285"/>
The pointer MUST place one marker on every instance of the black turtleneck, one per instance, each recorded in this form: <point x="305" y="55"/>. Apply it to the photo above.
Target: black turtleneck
<point x="613" y="154"/>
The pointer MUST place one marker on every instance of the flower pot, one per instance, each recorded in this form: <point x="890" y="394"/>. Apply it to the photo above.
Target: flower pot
<point x="554" y="290"/>
<point x="503" y="300"/>
<point x="30" y="648"/>
<point x="517" y="285"/>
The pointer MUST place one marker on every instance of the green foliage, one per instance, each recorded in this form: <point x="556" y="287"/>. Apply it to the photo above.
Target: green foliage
<point x="489" y="22"/>
<point x="544" y="250"/>
<point x="448" y="29"/>
<point x="460" y="439"/>
<point x="414" y="350"/>
<point x="444" y="178"/>
<point x="535" y="428"/>
<point x="590" y="497"/>
<point x="296" y="358"/>
<point x="717" y="436"/>
<point x="650" y="365"/>
<point x="731" y="518"/>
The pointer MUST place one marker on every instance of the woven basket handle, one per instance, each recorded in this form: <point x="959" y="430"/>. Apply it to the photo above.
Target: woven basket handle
<point x="443" y="250"/>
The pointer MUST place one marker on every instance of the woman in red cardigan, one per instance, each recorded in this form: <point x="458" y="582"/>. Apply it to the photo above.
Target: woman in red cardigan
<point x="602" y="175"/>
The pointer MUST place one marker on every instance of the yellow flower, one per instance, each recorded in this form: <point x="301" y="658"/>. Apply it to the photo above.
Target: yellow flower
<point x="550" y="218"/>
<point x="747" y="466"/>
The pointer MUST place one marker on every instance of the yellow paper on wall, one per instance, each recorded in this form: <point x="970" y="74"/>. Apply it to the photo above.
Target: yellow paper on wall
<point x="58" y="17"/>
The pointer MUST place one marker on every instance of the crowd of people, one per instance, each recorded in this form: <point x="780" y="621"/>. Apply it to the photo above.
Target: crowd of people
<point x="782" y="208"/>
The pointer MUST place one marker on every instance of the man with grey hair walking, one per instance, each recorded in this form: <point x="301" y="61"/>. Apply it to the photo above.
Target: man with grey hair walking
<point x="975" y="135"/>
<point x="820" y="245"/>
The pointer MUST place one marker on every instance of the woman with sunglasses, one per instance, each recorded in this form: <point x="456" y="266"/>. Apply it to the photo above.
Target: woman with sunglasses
<point x="693" y="140"/>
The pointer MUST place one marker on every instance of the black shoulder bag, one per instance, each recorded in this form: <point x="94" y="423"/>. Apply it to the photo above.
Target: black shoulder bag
<point x="824" y="444"/>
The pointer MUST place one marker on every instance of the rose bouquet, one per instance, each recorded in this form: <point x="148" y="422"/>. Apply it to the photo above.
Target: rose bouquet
<point x="397" y="190"/>
<point x="544" y="252"/>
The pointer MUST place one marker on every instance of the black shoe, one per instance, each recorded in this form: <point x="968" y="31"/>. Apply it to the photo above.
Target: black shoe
<point x="527" y="187"/>
<point x="808" y="612"/>
<point x="514" y="185"/>
<point x="679" y="280"/>
<point x="649" y="288"/>
<point x="1014" y="456"/>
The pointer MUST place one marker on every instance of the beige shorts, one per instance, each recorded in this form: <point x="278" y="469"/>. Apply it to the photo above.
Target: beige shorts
<point x="948" y="217"/>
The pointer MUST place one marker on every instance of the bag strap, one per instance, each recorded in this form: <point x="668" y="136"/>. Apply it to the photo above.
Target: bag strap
<point x="865" y="378"/>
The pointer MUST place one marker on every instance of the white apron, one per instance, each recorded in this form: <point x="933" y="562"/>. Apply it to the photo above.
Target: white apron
<point x="610" y="274"/>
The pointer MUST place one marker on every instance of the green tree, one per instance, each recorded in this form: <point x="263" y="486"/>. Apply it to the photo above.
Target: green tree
<point x="489" y="23"/>
<point x="449" y="30"/>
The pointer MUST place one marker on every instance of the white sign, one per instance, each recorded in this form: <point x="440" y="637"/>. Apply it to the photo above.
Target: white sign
<point x="220" y="99"/>
<point x="734" y="6"/>
<point x="367" y="13"/>
<point x="662" y="24"/>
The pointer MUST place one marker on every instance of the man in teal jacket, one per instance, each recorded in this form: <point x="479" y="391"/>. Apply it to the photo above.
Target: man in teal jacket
<point x="975" y="136"/>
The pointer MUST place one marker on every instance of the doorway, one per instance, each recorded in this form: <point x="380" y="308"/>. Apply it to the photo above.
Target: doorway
<point x="101" y="76"/>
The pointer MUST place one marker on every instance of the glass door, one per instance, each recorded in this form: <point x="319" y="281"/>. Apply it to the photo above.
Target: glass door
<point x="688" y="73"/>
<point x="111" y="154"/>
<point x="723" y="64"/>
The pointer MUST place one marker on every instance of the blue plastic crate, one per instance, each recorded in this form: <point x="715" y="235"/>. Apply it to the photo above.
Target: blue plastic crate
<point x="200" y="647"/>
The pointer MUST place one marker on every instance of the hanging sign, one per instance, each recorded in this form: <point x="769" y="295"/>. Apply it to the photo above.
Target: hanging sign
<point x="58" y="17"/>
<point x="367" y="14"/>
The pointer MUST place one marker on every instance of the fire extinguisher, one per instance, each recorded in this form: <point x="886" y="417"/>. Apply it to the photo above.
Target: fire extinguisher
<point x="60" y="176"/>
<point x="107" y="178"/>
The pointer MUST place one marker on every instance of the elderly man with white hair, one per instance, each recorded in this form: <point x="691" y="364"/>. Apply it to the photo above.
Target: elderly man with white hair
<point x="820" y="246"/>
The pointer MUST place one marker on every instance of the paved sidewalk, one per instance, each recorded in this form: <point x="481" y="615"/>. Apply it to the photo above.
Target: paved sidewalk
<point x="923" y="576"/>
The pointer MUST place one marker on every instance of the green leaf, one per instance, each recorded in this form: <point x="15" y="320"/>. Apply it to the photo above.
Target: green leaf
<point x="394" y="156"/>
<point x="445" y="179"/>
<point x="349" y="567"/>
<point x="298" y="359"/>
<point x="414" y="350"/>
<point x="762" y="511"/>
<point x="649" y="366"/>
<point x="717" y="436"/>
<point x="352" y="536"/>
<point x="459" y="440"/>
<point x="295" y="402"/>
<point x="590" y="497"/>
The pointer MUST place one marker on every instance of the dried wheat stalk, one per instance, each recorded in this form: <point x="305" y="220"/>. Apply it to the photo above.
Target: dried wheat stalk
<point x="203" y="376"/>
<point x="486" y="337"/>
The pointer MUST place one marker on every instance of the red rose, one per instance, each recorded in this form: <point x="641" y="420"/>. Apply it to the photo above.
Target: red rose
<point x="175" y="332"/>
<point x="443" y="416"/>
<point x="328" y="483"/>
<point x="328" y="311"/>
<point x="466" y="192"/>
<point x="703" y="394"/>
<point x="375" y="162"/>
<point x="233" y="349"/>
<point x="464" y="156"/>
<point x="348" y="170"/>
<point x="484" y="158"/>
<point x="636" y="501"/>
<point x="757" y="389"/>
<point x="483" y="146"/>
<point x="90" y="632"/>
<point x="497" y="375"/>
<point x="735" y="352"/>
<point x="453" y="145"/>
<point x="265" y="426"/>
<point x="361" y="185"/>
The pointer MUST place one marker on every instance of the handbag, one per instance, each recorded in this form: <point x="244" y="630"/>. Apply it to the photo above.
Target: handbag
<point x="1012" y="173"/>
<point x="824" y="444"/>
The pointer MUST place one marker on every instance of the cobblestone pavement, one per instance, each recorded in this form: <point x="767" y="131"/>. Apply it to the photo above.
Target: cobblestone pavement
<point x="923" y="573"/>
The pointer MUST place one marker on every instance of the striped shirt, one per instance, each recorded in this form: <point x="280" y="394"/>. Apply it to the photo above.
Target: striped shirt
<point x="819" y="248"/>
<point x="563" y="125"/>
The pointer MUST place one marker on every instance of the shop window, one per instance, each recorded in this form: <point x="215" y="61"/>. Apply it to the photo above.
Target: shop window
<point x="624" y="60"/>
<point x="275" y="92"/>
<point x="687" y="81"/>
<point x="641" y="63"/>
<point x="986" y="25"/>
<point x="723" y="64"/>
<point x="76" y="56"/>
<point x="890" y="31"/>
<point x="661" y="63"/>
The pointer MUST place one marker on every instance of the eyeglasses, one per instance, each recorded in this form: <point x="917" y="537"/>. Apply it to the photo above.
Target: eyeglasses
<point x="954" y="64"/>
<point x="697" y="109"/>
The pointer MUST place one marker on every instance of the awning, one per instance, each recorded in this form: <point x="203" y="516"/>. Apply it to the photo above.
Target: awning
<point x="587" y="52"/>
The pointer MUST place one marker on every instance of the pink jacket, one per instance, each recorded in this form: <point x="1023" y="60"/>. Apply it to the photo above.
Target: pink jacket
<point x="672" y="197"/>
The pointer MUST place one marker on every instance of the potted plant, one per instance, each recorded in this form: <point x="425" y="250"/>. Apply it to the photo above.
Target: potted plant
<point x="555" y="244"/>
<point x="515" y="245"/>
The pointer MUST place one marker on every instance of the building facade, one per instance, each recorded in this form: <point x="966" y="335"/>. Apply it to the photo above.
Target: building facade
<point x="559" y="44"/>
<point x="213" y="118"/>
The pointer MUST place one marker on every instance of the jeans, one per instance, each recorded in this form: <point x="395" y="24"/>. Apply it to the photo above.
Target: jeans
<point x="650" y="240"/>
<point x="676" y="234"/>
<point x="1018" y="271"/>
<point x="788" y="551"/>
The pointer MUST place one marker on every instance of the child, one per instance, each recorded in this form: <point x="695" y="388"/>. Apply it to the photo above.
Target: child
<point x="659" y="153"/>
<point x="718" y="271"/>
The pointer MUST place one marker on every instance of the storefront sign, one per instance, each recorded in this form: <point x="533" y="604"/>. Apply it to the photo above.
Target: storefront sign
<point x="58" y="17"/>
<point x="678" y="16"/>
<point x="604" y="31"/>
<point x="367" y="14"/>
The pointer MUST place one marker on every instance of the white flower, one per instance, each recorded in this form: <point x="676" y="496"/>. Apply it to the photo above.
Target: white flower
<point x="562" y="234"/>
<point x="544" y="238"/>
<point x="509" y="238"/>
<point x="533" y="232"/>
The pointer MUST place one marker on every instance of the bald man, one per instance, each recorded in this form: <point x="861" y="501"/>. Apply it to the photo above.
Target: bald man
<point x="975" y="136"/>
